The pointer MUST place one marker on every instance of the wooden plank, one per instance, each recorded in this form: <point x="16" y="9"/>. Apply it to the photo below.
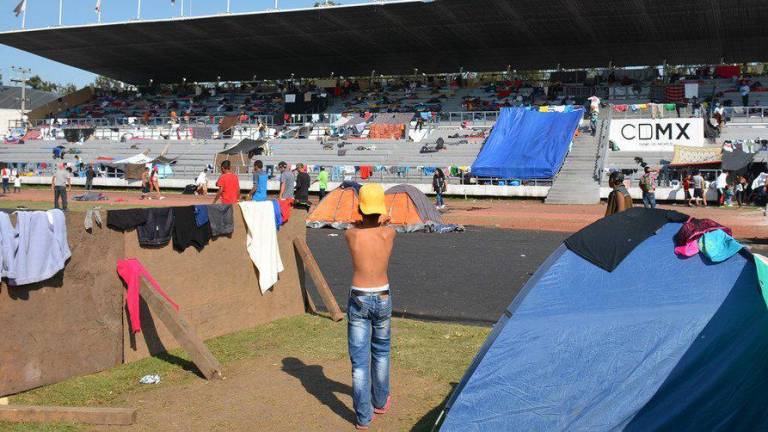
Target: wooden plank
<point x="180" y="328"/>
<point x="96" y="416"/>
<point x="317" y="276"/>
<point x="309" y="304"/>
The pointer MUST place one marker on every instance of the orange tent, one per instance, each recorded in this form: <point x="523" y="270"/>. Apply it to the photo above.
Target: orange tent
<point x="339" y="209"/>
<point x="402" y="210"/>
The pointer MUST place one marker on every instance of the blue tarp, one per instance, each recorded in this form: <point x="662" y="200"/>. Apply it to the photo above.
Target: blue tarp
<point x="527" y="144"/>
<point x="661" y="343"/>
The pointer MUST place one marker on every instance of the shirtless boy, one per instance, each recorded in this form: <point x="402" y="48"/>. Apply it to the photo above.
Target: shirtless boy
<point x="370" y="307"/>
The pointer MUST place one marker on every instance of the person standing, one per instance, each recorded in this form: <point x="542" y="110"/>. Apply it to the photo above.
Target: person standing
<point x="90" y="173"/>
<point x="287" y="181"/>
<point x="369" y="310"/>
<point x="259" y="190"/>
<point x="322" y="181"/>
<point x="619" y="199"/>
<point x="648" y="186"/>
<point x="593" y="117"/>
<point x="438" y="185"/>
<point x="687" y="189"/>
<point x="740" y="189"/>
<point x="60" y="185"/>
<point x="6" y="175"/>
<point x="16" y="180"/>
<point x="744" y="91"/>
<point x="698" y="189"/>
<point x="721" y="183"/>
<point x="228" y="184"/>
<point x="303" y="182"/>
<point x="145" y="188"/>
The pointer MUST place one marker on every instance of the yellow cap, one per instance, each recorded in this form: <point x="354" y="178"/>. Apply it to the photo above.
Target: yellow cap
<point x="372" y="199"/>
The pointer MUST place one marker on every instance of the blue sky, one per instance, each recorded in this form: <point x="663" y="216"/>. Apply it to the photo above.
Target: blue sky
<point x="45" y="13"/>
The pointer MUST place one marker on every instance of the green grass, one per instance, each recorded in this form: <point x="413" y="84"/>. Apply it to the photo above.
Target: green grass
<point x="438" y="351"/>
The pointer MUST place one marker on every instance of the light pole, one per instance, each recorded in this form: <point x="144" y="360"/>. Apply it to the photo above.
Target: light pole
<point x="138" y="10"/>
<point x="23" y="81"/>
<point x="61" y="8"/>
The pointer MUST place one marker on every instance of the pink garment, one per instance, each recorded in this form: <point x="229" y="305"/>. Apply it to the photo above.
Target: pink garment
<point x="131" y="271"/>
<point x="690" y="249"/>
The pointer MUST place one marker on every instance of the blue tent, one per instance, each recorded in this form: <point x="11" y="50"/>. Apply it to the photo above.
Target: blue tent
<point x="527" y="144"/>
<point x="660" y="343"/>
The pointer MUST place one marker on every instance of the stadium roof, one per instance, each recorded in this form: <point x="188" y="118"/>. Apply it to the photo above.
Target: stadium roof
<point x="10" y="97"/>
<point x="394" y="38"/>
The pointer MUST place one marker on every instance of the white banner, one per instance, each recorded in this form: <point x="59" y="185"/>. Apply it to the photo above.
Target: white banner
<point x="656" y="134"/>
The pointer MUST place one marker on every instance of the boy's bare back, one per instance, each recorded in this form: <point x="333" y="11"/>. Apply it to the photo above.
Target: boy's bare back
<point x="370" y="249"/>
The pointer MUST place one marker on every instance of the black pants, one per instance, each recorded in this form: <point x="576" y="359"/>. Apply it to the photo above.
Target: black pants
<point x="745" y="100"/>
<point x="60" y="191"/>
<point x="321" y="194"/>
<point x="5" y="185"/>
<point x="88" y="183"/>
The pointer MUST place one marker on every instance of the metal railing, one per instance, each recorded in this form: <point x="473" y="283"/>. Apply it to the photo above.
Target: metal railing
<point x="602" y="146"/>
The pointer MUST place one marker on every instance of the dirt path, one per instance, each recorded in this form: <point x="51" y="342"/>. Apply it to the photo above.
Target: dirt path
<point x="280" y="393"/>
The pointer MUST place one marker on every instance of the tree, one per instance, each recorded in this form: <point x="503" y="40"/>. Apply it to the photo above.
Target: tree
<point x="107" y="83"/>
<point x="67" y="89"/>
<point x="38" y="83"/>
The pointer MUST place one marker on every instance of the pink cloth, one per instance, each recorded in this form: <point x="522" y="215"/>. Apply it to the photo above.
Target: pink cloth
<point x="690" y="249"/>
<point x="131" y="271"/>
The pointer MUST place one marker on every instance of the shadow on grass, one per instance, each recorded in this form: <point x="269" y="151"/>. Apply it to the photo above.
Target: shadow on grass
<point x="426" y="422"/>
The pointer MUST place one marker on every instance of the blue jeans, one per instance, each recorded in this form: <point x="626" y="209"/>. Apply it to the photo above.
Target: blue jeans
<point x="649" y="200"/>
<point x="439" y="199"/>
<point x="368" y="337"/>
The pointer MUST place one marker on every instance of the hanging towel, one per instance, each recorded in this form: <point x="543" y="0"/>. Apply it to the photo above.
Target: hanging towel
<point x="9" y="242"/>
<point x="278" y="214"/>
<point x="718" y="246"/>
<point x="544" y="108"/>
<point x="761" y="263"/>
<point x="201" y="215"/>
<point x="220" y="217"/>
<point x="131" y="271"/>
<point x="261" y="241"/>
<point x="42" y="246"/>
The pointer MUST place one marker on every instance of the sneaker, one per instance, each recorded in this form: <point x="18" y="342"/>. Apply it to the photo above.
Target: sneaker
<point x="385" y="408"/>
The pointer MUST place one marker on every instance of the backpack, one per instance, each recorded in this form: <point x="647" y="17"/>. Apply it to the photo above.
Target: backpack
<point x="190" y="189"/>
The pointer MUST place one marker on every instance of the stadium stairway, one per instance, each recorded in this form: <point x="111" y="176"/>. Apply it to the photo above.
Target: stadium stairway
<point x="575" y="184"/>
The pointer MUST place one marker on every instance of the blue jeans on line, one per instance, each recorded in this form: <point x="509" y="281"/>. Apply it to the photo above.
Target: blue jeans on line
<point x="649" y="200"/>
<point x="439" y="199"/>
<point x="368" y="338"/>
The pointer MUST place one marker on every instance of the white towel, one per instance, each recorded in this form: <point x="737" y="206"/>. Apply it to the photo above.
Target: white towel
<point x="261" y="241"/>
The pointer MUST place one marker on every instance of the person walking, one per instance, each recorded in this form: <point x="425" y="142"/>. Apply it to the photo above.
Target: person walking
<point x="228" y="184"/>
<point x="287" y="181"/>
<point x="61" y="183"/>
<point x="6" y="175"/>
<point x="687" y="189"/>
<point x="303" y="182"/>
<point x="369" y="309"/>
<point x="322" y="181"/>
<point x="698" y="189"/>
<point x="720" y="184"/>
<point x="154" y="183"/>
<point x="90" y="173"/>
<point x="648" y="186"/>
<point x="259" y="190"/>
<point x="439" y="186"/>
<point x="145" y="188"/>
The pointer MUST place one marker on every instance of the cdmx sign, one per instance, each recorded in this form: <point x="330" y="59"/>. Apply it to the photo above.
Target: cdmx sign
<point x="656" y="134"/>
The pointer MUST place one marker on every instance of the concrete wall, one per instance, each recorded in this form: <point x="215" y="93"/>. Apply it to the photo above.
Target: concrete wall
<point x="7" y="115"/>
<point x="76" y="324"/>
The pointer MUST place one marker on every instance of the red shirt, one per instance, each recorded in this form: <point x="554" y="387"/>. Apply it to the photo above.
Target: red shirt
<point x="230" y="188"/>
